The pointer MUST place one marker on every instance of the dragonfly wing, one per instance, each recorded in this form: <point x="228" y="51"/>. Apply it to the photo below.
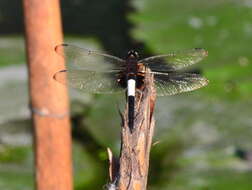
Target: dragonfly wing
<point x="84" y="59"/>
<point x="90" y="81"/>
<point x="174" y="61"/>
<point x="175" y="83"/>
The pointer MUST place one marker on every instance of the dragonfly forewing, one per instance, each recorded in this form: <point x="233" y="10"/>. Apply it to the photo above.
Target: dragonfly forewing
<point x="174" y="61"/>
<point x="77" y="58"/>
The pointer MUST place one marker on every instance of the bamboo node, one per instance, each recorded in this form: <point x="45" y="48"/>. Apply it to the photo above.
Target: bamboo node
<point x="44" y="112"/>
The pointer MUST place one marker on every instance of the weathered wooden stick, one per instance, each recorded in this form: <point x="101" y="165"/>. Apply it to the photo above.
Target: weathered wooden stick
<point x="49" y="101"/>
<point x="136" y="145"/>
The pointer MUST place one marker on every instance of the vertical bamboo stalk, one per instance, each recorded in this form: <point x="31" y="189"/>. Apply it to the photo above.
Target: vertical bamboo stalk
<point x="52" y="137"/>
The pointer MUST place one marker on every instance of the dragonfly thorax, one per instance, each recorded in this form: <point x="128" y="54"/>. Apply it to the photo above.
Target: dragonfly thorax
<point x="131" y="62"/>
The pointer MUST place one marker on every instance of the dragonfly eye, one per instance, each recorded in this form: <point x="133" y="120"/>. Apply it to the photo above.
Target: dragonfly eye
<point x="133" y="54"/>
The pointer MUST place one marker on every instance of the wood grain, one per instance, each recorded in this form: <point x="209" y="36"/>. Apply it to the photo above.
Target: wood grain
<point x="132" y="173"/>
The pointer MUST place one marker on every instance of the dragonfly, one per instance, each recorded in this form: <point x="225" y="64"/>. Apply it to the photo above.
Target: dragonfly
<point x="95" y="72"/>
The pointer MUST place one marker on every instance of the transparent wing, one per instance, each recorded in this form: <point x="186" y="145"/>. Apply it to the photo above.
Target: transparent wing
<point x="90" y="81"/>
<point x="175" y="83"/>
<point x="174" y="61"/>
<point x="84" y="59"/>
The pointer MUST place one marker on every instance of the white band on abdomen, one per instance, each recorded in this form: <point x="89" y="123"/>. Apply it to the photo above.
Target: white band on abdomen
<point x="131" y="87"/>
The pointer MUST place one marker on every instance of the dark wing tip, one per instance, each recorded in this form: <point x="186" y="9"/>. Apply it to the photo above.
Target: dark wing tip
<point x="63" y="71"/>
<point x="205" y="81"/>
<point x="202" y="50"/>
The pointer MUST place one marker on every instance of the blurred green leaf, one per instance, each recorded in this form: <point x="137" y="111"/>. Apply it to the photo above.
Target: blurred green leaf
<point x="222" y="27"/>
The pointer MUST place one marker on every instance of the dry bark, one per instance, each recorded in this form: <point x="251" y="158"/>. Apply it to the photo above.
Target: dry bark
<point x="132" y="172"/>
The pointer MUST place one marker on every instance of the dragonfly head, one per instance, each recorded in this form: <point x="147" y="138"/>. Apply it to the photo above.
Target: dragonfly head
<point x="132" y="54"/>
